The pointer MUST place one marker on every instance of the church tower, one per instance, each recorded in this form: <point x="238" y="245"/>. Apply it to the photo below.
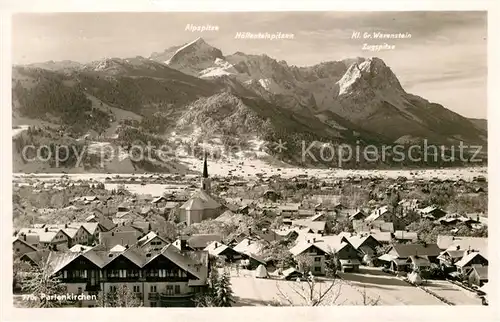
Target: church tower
<point x="205" y="180"/>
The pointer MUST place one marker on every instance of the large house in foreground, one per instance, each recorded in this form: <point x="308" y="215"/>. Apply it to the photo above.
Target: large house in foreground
<point x="166" y="278"/>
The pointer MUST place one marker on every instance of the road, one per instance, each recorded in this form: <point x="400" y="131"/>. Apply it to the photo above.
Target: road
<point x="453" y="293"/>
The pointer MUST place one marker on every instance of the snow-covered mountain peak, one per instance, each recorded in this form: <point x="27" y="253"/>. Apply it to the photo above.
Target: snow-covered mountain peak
<point x="194" y="57"/>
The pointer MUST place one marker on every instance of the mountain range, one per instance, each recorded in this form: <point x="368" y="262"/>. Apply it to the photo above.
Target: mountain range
<point x="195" y="91"/>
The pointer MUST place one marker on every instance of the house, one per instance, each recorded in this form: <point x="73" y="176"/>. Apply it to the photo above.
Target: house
<point x="220" y="250"/>
<point x="159" y="201"/>
<point x="409" y="204"/>
<point x="151" y="243"/>
<point x="317" y="227"/>
<point x="109" y="239"/>
<point x="381" y="214"/>
<point x="432" y="212"/>
<point x="54" y="238"/>
<point x="479" y="244"/>
<point x="316" y="254"/>
<point x="271" y="195"/>
<point x="364" y="244"/>
<point x="469" y="259"/>
<point x="36" y="258"/>
<point x="22" y="246"/>
<point x="196" y="241"/>
<point x="406" y="257"/>
<point x="382" y="226"/>
<point x="448" y="258"/>
<point x="405" y="236"/>
<point x="478" y="275"/>
<point x="289" y="210"/>
<point x="291" y="274"/>
<point x="306" y="213"/>
<point x="357" y="215"/>
<point x="251" y="250"/>
<point x="165" y="279"/>
<point x="318" y="251"/>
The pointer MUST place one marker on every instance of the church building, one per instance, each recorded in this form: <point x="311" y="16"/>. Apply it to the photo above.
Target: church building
<point x="201" y="205"/>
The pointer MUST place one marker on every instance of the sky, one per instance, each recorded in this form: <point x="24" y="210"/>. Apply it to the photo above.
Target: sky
<point x="444" y="61"/>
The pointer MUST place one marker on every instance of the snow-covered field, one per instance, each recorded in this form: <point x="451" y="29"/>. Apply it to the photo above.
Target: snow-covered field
<point x="389" y="290"/>
<point x="153" y="189"/>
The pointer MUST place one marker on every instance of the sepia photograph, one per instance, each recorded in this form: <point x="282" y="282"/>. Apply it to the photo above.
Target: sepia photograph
<point x="249" y="159"/>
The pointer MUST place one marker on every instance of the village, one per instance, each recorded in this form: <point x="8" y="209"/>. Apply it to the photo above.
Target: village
<point x="265" y="240"/>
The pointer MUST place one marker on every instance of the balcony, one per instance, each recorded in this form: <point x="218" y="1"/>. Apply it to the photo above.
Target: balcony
<point x="138" y="295"/>
<point x="153" y="296"/>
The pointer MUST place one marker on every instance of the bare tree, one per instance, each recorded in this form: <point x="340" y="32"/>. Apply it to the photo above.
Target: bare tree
<point x="310" y="291"/>
<point x="367" y="300"/>
<point x="121" y="297"/>
<point x="42" y="285"/>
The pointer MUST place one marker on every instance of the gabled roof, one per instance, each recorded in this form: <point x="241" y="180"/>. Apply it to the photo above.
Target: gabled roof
<point x="24" y="243"/>
<point x="463" y="243"/>
<point x="407" y="250"/>
<point x="358" y="241"/>
<point x="202" y="240"/>
<point x="406" y="235"/>
<point x="249" y="247"/>
<point x="149" y="237"/>
<point x="216" y="248"/>
<point x="465" y="261"/>
<point x="36" y="257"/>
<point x="195" y="203"/>
<point x="200" y="200"/>
<point x="57" y="261"/>
<point x="159" y="199"/>
<point x="377" y="213"/>
<point x="303" y="246"/>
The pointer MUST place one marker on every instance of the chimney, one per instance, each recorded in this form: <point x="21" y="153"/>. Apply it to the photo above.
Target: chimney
<point x="216" y="245"/>
<point x="46" y="229"/>
<point x="458" y="247"/>
<point x="82" y="249"/>
<point x="248" y="242"/>
<point x="65" y="225"/>
<point x="24" y="237"/>
<point x="314" y="239"/>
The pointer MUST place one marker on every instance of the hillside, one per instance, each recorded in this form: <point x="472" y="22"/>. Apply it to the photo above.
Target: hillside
<point x="192" y="93"/>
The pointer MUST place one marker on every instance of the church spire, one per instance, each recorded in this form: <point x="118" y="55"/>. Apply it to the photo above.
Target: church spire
<point x="205" y="167"/>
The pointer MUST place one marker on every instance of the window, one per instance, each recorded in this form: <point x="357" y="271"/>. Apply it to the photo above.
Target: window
<point x="153" y="288"/>
<point x="133" y="273"/>
<point x="79" y="290"/>
<point x="317" y="269"/>
<point x="170" y="289"/>
<point x="177" y="289"/>
<point x="112" y="289"/>
<point x="137" y="289"/>
<point x="18" y="250"/>
<point x="65" y="274"/>
<point x="152" y="304"/>
<point x="317" y="259"/>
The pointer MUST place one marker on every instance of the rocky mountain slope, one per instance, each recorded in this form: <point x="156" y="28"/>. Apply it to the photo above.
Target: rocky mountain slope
<point x="195" y="92"/>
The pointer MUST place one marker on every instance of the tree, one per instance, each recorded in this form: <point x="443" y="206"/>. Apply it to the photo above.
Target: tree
<point x="223" y="293"/>
<point x="219" y="293"/>
<point x="122" y="297"/>
<point x="42" y="284"/>
<point x="310" y="291"/>
<point x="366" y="300"/>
